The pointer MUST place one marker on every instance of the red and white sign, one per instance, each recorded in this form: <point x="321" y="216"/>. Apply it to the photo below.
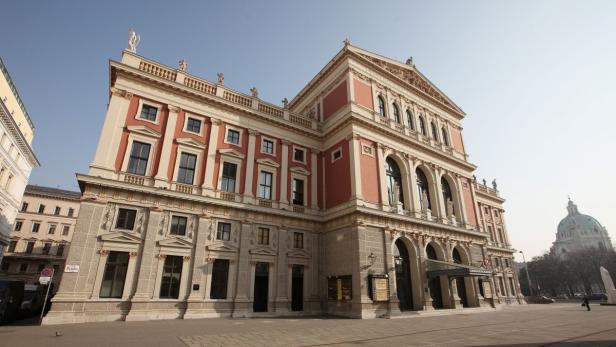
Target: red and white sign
<point x="46" y="275"/>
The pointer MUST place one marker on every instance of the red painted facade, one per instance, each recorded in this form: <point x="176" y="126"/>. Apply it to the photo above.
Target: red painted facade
<point x="277" y="157"/>
<point x="363" y="93"/>
<point x="337" y="176"/>
<point x="369" y="173"/>
<point x="468" y="202"/>
<point x="335" y="100"/>
<point x="456" y="140"/>
<point x="242" y="148"/>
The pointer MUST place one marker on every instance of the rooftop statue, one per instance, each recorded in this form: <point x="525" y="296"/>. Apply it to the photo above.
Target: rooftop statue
<point x="182" y="65"/>
<point x="221" y="78"/>
<point x="133" y="41"/>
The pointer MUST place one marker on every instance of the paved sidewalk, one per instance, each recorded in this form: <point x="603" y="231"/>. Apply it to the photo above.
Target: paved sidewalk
<point x="533" y="325"/>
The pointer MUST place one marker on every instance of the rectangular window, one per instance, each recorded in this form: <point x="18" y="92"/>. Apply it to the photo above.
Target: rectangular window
<point x="265" y="185"/>
<point x="71" y="211"/>
<point x="298" y="192"/>
<point x="23" y="267"/>
<point x="138" y="160"/>
<point x="114" y="276"/>
<point x="298" y="155"/>
<point x="298" y="240"/>
<point x="220" y="278"/>
<point x="263" y="236"/>
<point x="57" y="211"/>
<point x="193" y="125"/>
<point x="233" y="136"/>
<point x="30" y="247"/>
<point x="229" y="171"/>
<point x="172" y="275"/>
<point x="18" y="225"/>
<point x="52" y="229"/>
<point x="35" y="227"/>
<point x="178" y="225"/>
<point x="24" y="207"/>
<point x="337" y="154"/>
<point x="41" y="208"/>
<point x="267" y="146"/>
<point x="148" y="113"/>
<point x="65" y="230"/>
<point x="46" y="248"/>
<point x="126" y="219"/>
<point x="60" y="250"/>
<point x="224" y="232"/>
<point x="186" y="172"/>
<point x="12" y="246"/>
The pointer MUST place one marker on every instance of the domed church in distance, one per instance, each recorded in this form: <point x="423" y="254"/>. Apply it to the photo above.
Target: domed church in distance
<point x="578" y="231"/>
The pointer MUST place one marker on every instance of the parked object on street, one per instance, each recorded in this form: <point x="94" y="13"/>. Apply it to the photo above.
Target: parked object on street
<point x="540" y="299"/>
<point x="11" y="296"/>
<point x="597" y="297"/>
<point x="32" y="303"/>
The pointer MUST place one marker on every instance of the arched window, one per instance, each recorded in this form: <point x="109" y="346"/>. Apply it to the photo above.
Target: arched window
<point x="396" y="113"/>
<point x="447" y="196"/>
<point x="409" y="119"/>
<point x="394" y="182"/>
<point x="381" y="106"/>
<point x="422" y="126"/>
<point x="445" y="137"/>
<point x="422" y="189"/>
<point x="456" y="256"/>
<point x="431" y="253"/>
<point x="434" y="132"/>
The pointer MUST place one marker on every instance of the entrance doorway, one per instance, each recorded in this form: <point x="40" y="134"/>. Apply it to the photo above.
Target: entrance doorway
<point x="261" y="287"/>
<point x="403" y="276"/>
<point x="297" y="288"/>
<point x="462" y="291"/>
<point x="434" y="283"/>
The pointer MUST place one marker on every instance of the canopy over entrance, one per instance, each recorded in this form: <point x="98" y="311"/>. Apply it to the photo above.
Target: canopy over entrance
<point x="441" y="268"/>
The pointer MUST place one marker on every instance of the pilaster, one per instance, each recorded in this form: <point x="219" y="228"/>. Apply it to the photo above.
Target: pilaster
<point x="250" y="164"/>
<point x="380" y="153"/>
<point x="314" y="199"/>
<point x="208" y="181"/>
<point x="161" y="178"/>
<point x="354" y="153"/>
<point x="284" y="174"/>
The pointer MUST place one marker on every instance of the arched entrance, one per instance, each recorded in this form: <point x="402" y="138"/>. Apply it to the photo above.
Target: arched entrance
<point x="460" y="282"/>
<point x="403" y="276"/>
<point x="434" y="284"/>
<point x="394" y="182"/>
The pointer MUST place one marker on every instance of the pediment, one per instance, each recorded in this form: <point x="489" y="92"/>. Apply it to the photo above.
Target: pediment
<point x="120" y="236"/>
<point x="221" y="247"/>
<point x="299" y="170"/>
<point x="268" y="162"/>
<point x="409" y="73"/>
<point x="231" y="152"/>
<point x="143" y="130"/>
<point x="188" y="141"/>
<point x="175" y="242"/>
<point x="298" y="254"/>
<point x="262" y="251"/>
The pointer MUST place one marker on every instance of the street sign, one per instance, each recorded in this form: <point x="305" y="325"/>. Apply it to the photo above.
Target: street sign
<point x="46" y="275"/>
<point x="71" y="268"/>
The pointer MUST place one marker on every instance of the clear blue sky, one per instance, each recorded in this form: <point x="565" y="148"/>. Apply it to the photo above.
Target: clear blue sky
<point x="536" y="79"/>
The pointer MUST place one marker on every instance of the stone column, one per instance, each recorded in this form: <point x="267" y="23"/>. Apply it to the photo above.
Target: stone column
<point x="460" y="199"/>
<point x="200" y="261"/>
<point x="208" y="180"/>
<point x="250" y="164"/>
<point x="415" y="205"/>
<point x="161" y="179"/>
<point x="423" y="270"/>
<point x="284" y="175"/>
<point x="245" y="274"/>
<point x="382" y="176"/>
<point x="282" y="277"/>
<point x="314" y="199"/>
<point x="389" y="266"/>
<point x="111" y="134"/>
<point x="476" y="209"/>
<point x="129" y="285"/>
<point x="149" y="260"/>
<point x="438" y="189"/>
<point x="354" y="153"/>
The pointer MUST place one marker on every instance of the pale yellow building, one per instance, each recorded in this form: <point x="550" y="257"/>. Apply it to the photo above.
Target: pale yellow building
<point x="41" y="234"/>
<point x="17" y="158"/>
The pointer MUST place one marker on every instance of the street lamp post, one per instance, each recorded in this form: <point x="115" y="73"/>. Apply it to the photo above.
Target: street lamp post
<point x="530" y="287"/>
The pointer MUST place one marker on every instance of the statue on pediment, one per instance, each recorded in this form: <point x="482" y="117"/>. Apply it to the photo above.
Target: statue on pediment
<point x="221" y="78"/>
<point x="255" y="92"/>
<point x="133" y="41"/>
<point x="182" y="65"/>
<point x="494" y="185"/>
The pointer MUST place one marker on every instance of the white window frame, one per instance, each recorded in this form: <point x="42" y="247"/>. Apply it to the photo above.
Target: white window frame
<point x="295" y="175"/>
<point x="189" y="150"/>
<point x="32" y="227"/>
<point x="132" y="137"/>
<point x="232" y="160"/>
<point x="149" y="103"/>
<point x="364" y="152"/>
<point x="230" y="127"/>
<point x="265" y="138"/>
<point x="333" y="159"/>
<point x="199" y="118"/>
<point x="272" y="170"/>
<point x="55" y="230"/>
<point x="293" y="154"/>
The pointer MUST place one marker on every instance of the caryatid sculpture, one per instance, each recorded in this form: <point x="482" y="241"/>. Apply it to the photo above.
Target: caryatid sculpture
<point x="133" y="41"/>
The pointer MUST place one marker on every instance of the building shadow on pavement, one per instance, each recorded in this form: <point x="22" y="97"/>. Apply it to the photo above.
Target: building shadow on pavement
<point x="564" y="343"/>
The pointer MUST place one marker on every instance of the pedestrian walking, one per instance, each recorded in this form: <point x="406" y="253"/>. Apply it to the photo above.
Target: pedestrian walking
<point x="586" y="303"/>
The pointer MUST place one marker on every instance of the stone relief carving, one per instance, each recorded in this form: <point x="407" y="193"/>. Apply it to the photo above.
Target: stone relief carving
<point x="162" y="224"/>
<point x="139" y="220"/>
<point x="108" y="216"/>
<point x="191" y="227"/>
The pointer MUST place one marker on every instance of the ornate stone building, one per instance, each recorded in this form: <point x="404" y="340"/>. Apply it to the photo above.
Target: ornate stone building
<point x="16" y="156"/>
<point x="579" y="231"/>
<point x="356" y="198"/>
<point x="41" y="234"/>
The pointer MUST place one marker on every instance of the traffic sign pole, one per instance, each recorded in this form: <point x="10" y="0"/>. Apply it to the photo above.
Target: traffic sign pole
<point x="46" y="294"/>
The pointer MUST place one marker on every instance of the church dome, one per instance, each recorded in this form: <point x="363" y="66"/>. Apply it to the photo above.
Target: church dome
<point x="578" y="230"/>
